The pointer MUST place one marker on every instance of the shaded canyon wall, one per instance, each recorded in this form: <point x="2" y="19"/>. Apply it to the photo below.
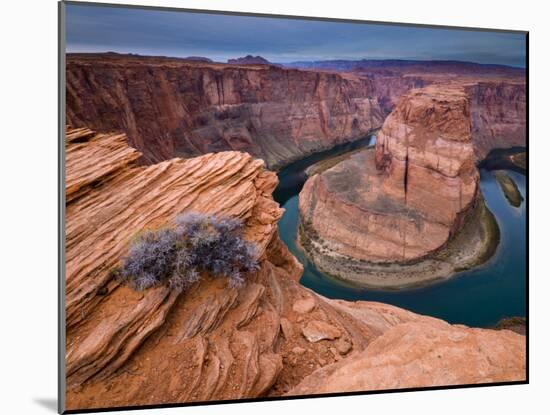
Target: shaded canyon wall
<point x="171" y="107"/>
<point x="498" y="115"/>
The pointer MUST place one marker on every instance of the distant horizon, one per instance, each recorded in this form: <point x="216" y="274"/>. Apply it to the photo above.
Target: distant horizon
<point x="219" y="37"/>
<point x="187" y="57"/>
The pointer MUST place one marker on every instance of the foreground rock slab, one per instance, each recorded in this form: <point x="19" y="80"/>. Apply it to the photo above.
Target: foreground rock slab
<point x="317" y="330"/>
<point x="417" y="354"/>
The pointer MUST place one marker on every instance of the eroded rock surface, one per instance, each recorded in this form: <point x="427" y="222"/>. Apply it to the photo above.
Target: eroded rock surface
<point x="214" y="342"/>
<point x="405" y="357"/>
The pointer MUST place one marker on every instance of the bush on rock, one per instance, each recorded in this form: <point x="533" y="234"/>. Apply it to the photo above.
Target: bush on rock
<point x="176" y="256"/>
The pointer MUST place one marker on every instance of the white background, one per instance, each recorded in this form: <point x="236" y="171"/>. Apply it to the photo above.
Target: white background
<point x="28" y="203"/>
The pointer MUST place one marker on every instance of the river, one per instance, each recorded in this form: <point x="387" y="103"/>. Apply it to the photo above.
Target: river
<point x="478" y="297"/>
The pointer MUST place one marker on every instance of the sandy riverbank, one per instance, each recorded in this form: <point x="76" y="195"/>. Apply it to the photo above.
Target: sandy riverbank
<point x="473" y="245"/>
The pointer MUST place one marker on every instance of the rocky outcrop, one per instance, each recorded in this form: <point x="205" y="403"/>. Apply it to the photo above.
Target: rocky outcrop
<point x="214" y="342"/>
<point x="509" y="188"/>
<point x="515" y="324"/>
<point x="498" y="115"/>
<point x="173" y="107"/>
<point x="404" y="357"/>
<point x="426" y="153"/>
<point x="405" y="200"/>
<point x="113" y="337"/>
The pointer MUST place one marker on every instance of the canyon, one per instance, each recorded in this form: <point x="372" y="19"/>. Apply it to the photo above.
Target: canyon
<point x="405" y="201"/>
<point x="272" y="337"/>
<point x="170" y="107"/>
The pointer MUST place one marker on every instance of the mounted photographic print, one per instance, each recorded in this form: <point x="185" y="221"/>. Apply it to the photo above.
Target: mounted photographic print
<point x="258" y="207"/>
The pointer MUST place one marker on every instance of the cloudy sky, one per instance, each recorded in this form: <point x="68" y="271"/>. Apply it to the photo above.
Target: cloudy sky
<point x="220" y="37"/>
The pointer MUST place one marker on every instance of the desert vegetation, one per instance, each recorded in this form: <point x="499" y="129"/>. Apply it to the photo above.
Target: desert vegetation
<point x="177" y="256"/>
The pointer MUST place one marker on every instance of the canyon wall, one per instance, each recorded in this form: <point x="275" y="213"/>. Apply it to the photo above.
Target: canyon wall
<point x="498" y="115"/>
<point x="172" y="107"/>
<point x="269" y="338"/>
<point x="182" y="107"/>
<point x="388" y="88"/>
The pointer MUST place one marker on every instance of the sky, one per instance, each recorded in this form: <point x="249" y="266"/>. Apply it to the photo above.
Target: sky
<point x="221" y="37"/>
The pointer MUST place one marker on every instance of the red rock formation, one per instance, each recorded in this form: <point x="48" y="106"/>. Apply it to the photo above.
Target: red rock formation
<point x="405" y="355"/>
<point x="109" y="199"/>
<point x="426" y="150"/>
<point x="407" y="199"/>
<point x="186" y="107"/>
<point x="214" y="342"/>
<point x="172" y="107"/>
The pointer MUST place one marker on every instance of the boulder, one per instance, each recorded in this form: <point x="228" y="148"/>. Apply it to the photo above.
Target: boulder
<point x="317" y="330"/>
<point x="304" y="306"/>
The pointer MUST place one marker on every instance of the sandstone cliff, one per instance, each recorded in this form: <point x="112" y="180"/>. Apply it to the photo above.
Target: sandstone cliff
<point x="186" y="107"/>
<point x="498" y="115"/>
<point x="403" y="201"/>
<point x="172" y="107"/>
<point x="270" y="337"/>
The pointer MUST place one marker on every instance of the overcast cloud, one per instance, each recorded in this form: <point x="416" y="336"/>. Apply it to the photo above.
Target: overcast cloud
<point x="220" y="37"/>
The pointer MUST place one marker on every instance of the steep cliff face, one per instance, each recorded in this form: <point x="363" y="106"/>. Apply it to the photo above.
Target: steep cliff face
<point x="426" y="151"/>
<point x="214" y="342"/>
<point x="404" y="200"/>
<point x="388" y="88"/>
<point x="498" y="115"/>
<point x="182" y="107"/>
<point x="171" y="107"/>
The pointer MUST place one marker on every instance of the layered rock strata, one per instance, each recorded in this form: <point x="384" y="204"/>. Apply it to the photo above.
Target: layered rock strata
<point x="213" y="342"/>
<point x="498" y="115"/>
<point x="403" y="201"/>
<point x="172" y="107"/>
<point x="186" y="107"/>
